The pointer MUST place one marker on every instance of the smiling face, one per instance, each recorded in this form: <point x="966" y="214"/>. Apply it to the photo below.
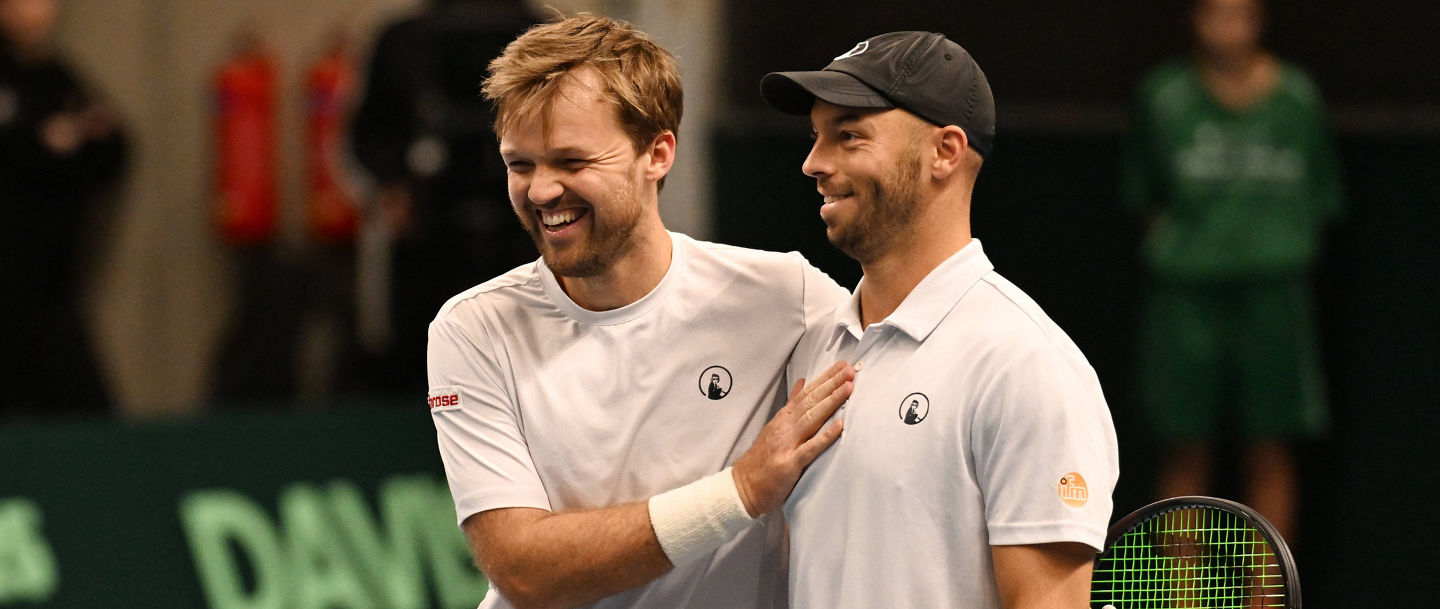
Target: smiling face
<point x="866" y="165"/>
<point x="576" y="181"/>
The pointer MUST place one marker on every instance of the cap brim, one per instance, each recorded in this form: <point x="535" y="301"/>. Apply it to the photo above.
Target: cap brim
<point x="796" y="92"/>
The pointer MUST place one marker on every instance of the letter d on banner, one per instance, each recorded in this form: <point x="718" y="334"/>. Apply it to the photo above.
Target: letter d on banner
<point x="28" y="571"/>
<point x="215" y="518"/>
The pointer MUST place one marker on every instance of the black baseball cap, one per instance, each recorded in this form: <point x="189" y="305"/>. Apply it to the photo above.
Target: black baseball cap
<point x="921" y="72"/>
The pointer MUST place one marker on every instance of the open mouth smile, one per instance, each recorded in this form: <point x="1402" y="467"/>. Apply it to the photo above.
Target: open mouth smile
<point x="558" y="220"/>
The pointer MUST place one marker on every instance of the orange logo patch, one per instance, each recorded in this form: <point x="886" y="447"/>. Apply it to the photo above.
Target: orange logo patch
<point x="1073" y="490"/>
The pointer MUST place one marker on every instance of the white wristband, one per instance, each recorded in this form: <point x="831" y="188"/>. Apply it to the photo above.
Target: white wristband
<point x="699" y="517"/>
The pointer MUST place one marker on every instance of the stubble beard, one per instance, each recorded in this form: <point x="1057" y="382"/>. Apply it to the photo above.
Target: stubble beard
<point x="886" y="214"/>
<point x="612" y="235"/>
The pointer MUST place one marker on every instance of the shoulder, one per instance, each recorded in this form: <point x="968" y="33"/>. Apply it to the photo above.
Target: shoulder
<point x="736" y="257"/>
<point x="1169" y="79"/>
<point x="1014" y="324"/>
<point x="739" y="266"/>
<point x="520" y="288"/>
<point x="750" y="280"/>
<point x="1170" y="71"/>
<point x="1009" y="307"/>
<point x="1019" y="357"/>
<point x="1297" y="84"/>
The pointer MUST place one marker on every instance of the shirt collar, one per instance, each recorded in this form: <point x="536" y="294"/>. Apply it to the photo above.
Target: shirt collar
<point x="930" y="301"/>
<point x="678" y="251"/>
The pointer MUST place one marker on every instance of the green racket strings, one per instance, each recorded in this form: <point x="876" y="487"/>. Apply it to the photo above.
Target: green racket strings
<point x="1189" y="557"/>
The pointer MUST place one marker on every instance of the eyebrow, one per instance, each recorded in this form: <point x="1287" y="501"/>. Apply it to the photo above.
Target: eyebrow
<point x="846" y="117"/>
<point x="571" y="151"/>
<point x="566" y="152"/>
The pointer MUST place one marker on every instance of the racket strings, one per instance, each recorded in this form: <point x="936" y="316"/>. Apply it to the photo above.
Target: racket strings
<point x="1190" y="557"/>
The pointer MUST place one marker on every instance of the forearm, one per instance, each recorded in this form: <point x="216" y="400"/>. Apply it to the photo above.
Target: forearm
<point x="1043" y="576"/>
<point x="561" y="560"/>
<point x="570" y="558"/>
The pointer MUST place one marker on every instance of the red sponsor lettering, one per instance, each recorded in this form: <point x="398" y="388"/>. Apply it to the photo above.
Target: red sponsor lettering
<point x="445" y="400"/>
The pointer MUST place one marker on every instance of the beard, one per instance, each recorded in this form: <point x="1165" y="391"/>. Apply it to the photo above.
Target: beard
<point x="886" y="212"/>
<point x="611" y="235"/>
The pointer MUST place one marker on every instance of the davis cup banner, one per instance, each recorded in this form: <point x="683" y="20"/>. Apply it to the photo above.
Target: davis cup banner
<point x="273" y="511"/>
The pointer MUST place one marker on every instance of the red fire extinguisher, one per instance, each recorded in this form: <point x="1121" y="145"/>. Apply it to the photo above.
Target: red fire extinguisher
<point x="245" y="146"/>
<point x="330" y="210"/>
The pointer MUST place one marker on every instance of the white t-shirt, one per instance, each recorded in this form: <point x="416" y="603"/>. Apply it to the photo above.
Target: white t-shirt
<point x="975" y="421"/>
<point x="540" y="403"/>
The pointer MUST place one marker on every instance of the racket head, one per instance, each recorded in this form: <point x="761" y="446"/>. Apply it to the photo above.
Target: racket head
<point x="1194" y="552"/>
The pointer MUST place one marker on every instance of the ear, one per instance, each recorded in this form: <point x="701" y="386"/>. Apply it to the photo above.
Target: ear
<point x="662" y="156"/>
<point x="950" y="146"/>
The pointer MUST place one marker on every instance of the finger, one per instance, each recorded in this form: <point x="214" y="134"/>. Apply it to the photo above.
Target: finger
<point x="807" y="452"/>
<point x="838" y="373"/>
<point x="829" y="373"/>
<point x="795" y="391"/>
<point x="837" y="370"/>
<point x="824" y="409"/>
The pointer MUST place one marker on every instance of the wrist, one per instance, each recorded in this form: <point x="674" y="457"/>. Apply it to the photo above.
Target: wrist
<point x="699" y="517"/>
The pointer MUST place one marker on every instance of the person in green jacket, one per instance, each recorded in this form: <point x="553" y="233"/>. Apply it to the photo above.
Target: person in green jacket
<point x="1231" y="167"/>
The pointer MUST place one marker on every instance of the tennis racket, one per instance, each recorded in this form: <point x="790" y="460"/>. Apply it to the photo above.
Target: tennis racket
<point x="1194" y="552"/>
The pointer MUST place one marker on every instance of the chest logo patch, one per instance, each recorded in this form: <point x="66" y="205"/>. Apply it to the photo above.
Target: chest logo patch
<point x="914" y="408"/>
<point x="715" y="382"/>
<point x="1073" y="490"/>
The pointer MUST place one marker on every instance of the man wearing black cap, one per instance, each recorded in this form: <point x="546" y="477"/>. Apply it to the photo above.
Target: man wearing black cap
<point x="978" y="456"/>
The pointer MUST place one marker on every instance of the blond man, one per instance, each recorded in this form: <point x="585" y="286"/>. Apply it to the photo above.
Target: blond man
<point x="601" y="412"/>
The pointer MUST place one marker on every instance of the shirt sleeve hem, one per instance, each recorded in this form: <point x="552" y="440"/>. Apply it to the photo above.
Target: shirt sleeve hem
<point x="475" y="503"/>
<point x="1047" y="532"/>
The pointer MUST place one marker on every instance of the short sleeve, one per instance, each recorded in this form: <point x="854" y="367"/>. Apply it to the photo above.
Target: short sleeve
<point x="478" y="426"/>
<point x="1045" y="452"/>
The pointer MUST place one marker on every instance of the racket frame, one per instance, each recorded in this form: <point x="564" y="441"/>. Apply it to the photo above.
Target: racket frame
<point x="1289" y="576"/>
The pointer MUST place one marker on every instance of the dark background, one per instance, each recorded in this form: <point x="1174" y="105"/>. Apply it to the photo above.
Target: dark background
<point x="1082" y="53"/>
<point x="1045" y="207"/>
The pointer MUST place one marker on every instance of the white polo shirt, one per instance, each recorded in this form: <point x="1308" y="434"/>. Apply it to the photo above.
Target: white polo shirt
<point x="975" y="422"/>
<point x="540" y="403"/>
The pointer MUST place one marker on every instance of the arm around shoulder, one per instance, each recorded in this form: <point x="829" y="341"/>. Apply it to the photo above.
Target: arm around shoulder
<point x="541" y="559"/>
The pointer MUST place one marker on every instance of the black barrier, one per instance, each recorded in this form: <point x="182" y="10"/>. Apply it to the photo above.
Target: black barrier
<point x="335" y="509"/>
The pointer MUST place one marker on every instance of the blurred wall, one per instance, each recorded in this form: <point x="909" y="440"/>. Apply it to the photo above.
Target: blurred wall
<point x="162" y="293"/>
<point x="693" y="32"/>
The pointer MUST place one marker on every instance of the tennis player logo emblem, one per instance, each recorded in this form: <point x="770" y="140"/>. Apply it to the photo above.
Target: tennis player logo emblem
<point x="1073" y="491"/>
<point x="715" y="382"/>
<point x="914" y="408"/>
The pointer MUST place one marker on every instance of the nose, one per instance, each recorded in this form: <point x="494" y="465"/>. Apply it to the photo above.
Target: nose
<point x="817" y="164"/>
<point x="544" y="185"/>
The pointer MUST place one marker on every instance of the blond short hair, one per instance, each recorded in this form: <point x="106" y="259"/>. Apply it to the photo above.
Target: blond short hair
<point x="641" y="78"/>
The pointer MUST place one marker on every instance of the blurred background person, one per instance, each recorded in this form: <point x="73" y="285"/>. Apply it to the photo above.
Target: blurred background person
<point x="440" y="221"/>
<point x="60" y="147"/>
<point x="1231" y="166"/>
<point x="257" y="360"/>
